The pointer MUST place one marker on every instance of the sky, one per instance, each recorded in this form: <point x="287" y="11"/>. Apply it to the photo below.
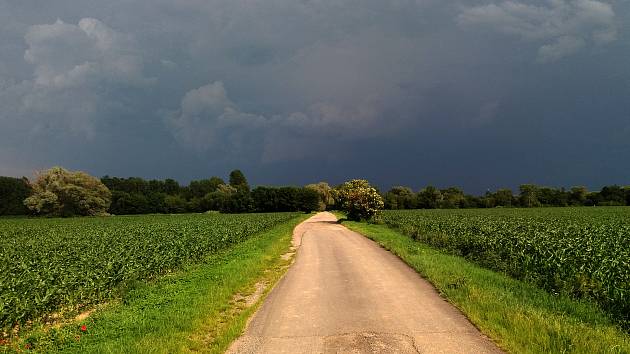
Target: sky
<point x="476" y="94"/>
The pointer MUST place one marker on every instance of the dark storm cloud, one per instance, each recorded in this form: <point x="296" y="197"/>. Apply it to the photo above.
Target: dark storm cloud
<point x="480" y="94"/>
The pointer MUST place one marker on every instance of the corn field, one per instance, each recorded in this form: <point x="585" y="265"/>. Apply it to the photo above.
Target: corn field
<point x="50" y="264"/>
<point x="582" y="252"/>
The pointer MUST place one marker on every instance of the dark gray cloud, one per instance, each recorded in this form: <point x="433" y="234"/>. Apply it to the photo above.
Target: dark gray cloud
<point x="480" y="94"/>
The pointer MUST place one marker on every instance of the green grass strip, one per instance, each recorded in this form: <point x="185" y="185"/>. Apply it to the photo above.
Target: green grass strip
<point x="189" y="311"/>
<point x="518" y="316"/>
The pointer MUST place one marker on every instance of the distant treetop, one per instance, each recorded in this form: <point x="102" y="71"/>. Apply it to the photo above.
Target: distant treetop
<point x="238" y="180"/>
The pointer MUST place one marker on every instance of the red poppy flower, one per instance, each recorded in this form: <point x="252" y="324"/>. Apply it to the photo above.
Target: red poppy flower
<point x="83" y="328"/>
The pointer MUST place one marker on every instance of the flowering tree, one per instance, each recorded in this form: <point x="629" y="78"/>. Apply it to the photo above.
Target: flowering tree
<point x="59" y="192"/>
<point x="359" y="200"/>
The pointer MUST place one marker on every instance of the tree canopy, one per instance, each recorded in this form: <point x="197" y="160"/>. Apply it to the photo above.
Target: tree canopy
<point x="238" y="180"/>
<point x="359" y="199"/>
<point x="59" y="192"/>
<point x="13" y="191"/>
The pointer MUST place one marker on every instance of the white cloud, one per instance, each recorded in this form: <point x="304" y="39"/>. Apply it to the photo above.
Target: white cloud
<point x="564" y="26"/>
<point x="67" y="55"/>
<point x="208" y="119"/>
<point x="78" y="71"/>
<point x="562" y="47"/>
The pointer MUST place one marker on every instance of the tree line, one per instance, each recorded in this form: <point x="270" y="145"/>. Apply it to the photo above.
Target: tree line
<point x="138" y="196"/>
<point x="65" y="193"/>
<point x="59" y="192"/>
<point x="529" y="196"/>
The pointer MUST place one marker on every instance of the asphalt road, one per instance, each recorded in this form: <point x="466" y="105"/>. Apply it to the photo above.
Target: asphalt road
<point x="345" y="294"/>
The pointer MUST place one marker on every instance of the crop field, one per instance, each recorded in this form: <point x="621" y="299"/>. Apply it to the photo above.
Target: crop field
<point x="47" y="265"/>
<point x="583" y="252"/>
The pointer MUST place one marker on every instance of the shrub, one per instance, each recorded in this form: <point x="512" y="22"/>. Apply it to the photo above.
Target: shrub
<point x="359" y="200"/>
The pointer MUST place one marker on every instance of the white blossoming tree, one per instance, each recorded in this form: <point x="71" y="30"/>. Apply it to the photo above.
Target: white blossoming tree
<point x="59" y="192"/>
<point x="359" y="200"/>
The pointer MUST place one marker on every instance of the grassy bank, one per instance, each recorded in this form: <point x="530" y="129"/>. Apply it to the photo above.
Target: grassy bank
<point x="190" y="310"/>
<point x="519" y="317"/>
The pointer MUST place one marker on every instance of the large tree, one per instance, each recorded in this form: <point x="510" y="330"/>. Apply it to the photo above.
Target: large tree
<point x="400" y="197"/>
<point x="529" y="195"/>
<point x="13" y="191"/>
<point x="238" y="181"/>
<point x="452" y="197"/>
<point x="199" y="189"/>
<point x="325" y="193"/>
<point x="578" y="195"/>
<point x="59" y="192"/>
<point x="503" y="197"/>
<point x="612" y="195"/>
<point x="429" y="198"/>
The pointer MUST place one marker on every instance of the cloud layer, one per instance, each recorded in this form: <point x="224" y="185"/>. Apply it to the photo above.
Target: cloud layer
<point x="77" y="70"/>
<point x="189" y="88"/>
<point x="565" y="26"/>
<point x="89" y="53"/>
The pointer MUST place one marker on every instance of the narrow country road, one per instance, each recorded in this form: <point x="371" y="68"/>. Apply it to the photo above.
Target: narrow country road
<point x="345" y="294"/>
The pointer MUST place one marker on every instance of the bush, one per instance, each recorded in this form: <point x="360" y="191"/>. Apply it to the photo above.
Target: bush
<point x="359" y="200"/>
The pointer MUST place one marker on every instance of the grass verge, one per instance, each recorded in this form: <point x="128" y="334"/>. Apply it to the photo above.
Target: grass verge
<point x="518" y="316"/>
<point x="199" y="309"/>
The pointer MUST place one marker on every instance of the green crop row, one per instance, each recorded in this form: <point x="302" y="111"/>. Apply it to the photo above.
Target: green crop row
<point x="582" y="252"/>
<point x="50" y="264"/>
